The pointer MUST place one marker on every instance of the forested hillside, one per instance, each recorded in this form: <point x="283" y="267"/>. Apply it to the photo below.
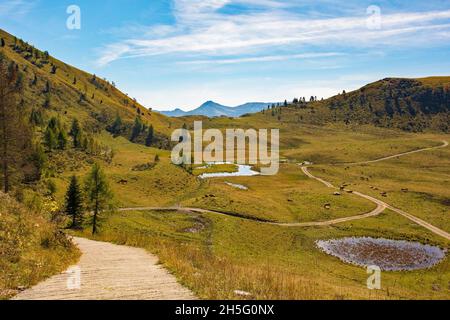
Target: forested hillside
<point x="408" y="104"/>
<point x="51" y="110"/>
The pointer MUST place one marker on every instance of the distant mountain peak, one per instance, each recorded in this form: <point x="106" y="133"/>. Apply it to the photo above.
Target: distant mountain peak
<point x="213" y="109"/>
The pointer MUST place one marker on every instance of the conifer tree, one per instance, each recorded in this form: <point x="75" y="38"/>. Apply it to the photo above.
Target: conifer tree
<point x="98" y="195"/>
<point x="50" y="138"/>
<point x="74" y="203"/>
<point x="137" y="129"/>
<point x="76" y="133"/>
<point x="62" y="140"/>
<point x="149" y="139"/>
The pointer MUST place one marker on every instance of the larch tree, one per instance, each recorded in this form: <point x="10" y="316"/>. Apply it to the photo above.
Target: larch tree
<point x="98" y="195"/>
<point x="15" y="131"/>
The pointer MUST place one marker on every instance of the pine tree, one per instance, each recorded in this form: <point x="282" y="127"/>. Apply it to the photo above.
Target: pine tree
<point x="36" y="118"/>
<point x="2" y="42"/>
<point x="137" y="129"/>
<point x="98" y="194"/>
<point x="117" y="126"/>
<point x="62" y="140"/>
<point x="149" y="139"/>
<point x="39" y="159"/>
<point x="50" y="139"/>
<point x="74" y="203"/>
<point x="76" y="133"/>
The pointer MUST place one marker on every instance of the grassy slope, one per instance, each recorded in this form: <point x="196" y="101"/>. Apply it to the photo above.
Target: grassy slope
<point x="65" y="95"/>
<point x="31" y="248"/>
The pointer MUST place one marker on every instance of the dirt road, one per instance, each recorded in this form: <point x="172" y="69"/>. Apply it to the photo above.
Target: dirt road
<point x="110" y="272"/>
<point x="381" y="205"/>
<point x="444" y="145"/>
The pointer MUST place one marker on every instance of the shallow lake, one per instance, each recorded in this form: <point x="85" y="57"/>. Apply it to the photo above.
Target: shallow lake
<point x="389" y="255"/>
<point x="243" y="171"/>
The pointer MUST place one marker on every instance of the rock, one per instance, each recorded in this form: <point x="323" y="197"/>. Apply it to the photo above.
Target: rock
<point x="122" y="181"/>
<point x="327" y="206"/>
<point x="337" y="193"/>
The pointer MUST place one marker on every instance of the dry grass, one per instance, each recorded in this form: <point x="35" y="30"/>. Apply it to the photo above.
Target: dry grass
<point x="270" y="262"/>
<point x="31" y="248"/>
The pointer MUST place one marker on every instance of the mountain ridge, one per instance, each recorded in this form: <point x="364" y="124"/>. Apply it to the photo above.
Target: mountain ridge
<point x="214" y="109"/>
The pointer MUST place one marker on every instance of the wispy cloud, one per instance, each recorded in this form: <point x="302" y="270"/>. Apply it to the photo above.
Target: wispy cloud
<point x="15" y="8"/>
<point x="266" y="58"/>
<point x="202" y="29"/>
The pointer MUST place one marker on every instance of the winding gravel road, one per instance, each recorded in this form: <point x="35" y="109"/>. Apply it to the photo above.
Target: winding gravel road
<point x="444" y="145"/>
<point x="381" y="205"/>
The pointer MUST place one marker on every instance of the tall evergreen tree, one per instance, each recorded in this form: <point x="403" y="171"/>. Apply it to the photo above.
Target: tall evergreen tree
<point x="39" y="159"/>
<point x="117" y="126"/>
<point x="62" y="140"/>
<point x="36" y="117"/>
<point x="98" y="195"/>
<point x="137" y="129"/>
<point x="2" y="42"/>
<point x="150" y="136"/>
<point x="76" y="133"/>
<point x="74" y="203"/>
<point x="50" y="138"/>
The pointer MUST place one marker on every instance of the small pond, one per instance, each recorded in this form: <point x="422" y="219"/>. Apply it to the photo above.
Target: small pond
<point x="389" y="255"/>
<point x="242" y="171"/>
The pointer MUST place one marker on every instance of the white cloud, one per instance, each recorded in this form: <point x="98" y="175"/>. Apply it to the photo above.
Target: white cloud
<point x="203" y="31"/>
<point x="14" y="9"/>
<point x="266" y="58"/>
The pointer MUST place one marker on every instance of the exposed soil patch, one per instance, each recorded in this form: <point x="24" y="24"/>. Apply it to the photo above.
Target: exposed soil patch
<point x="389" y="255"/>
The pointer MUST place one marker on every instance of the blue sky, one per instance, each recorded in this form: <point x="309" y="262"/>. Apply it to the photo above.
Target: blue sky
<point x="180" y="53"/>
